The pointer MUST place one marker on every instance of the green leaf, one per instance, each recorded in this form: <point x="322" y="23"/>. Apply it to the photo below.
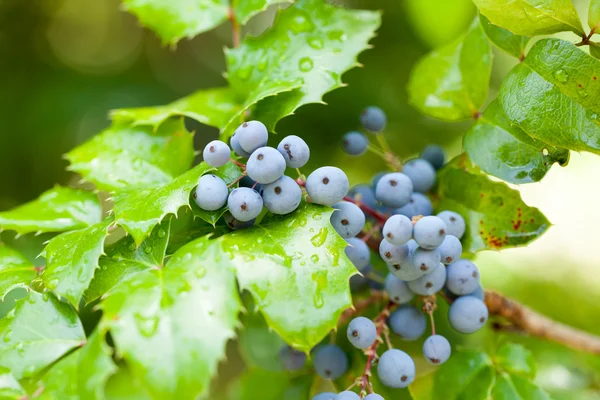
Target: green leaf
<point x="505" y="151"/>
<point x="124" y="386"/>
<point x="171" y="324"/>
<point x="271" y="386"/>
<point x="594" y="49"/>
<point x="139" y="211"/>
<point x="136" y="156"/>
<point x="71" y="260"/>
<point x="95" y="367"/>
<point x="123" y="259"/>
<point x="37" y="332"/>
<point x="296" y="269"/>
<point x="594" y="15"/>
<point x="515" y="359"/>
<point x="553" y="96"/>
<point x="514" y="387"/>
<point x="229" y="173"/>
<point x="56" y="210"/>
<point x="245" y="9"/>
<point x="60" y="383"/>
<point x="504" y="39"/>
<point x="310" y="42"/>
<point x="532" y="17"/>
<point x="466" y="375"/>
<point x="451" y="83"/>
<point x="258" y="345"/>
<point x="495" y="214"/>
<point x="15" y="270"/>
<point x="10" y="388"/>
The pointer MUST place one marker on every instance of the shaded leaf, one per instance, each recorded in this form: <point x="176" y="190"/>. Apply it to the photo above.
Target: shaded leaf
<point x="504" y="39"/>
<point x="271" y="385"/>
<point x="532" y="17"/>
<point x="553" y="96"/>
<point x="515" y="359"/>
<point x="451" y="83"/>
<point x="505" y="151"/>
<point x="495" y="214"/>
<point x="123" y="157"/>
<point x="245" y="9"/>
<point x="60" y="382"/>
<point x="56" y="210"/>
<point x="10" y="388"/>
<point x="514" y="387"/>
<point x="37" y="332"/>
<point x="258" y="345"/>
<point x="15" y="270"/>
<point x="466" y="375"/>
<point x="95" y="366"/>
<point x="171" y="324"/>
<point x="595" y="49"/>
<point x="594" y="15"/>
<point x="124" y="386"/>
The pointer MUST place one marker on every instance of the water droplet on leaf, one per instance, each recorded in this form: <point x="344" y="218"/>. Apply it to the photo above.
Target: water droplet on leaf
<point x="320" y="238"/>
<point x="146" y="325"/>
<point x="306" y="64"/>
<point x="561" y="76"/>
<point x="162" y="233"/>
<point x="52" y="284"/>
<point x="316" y="43"/>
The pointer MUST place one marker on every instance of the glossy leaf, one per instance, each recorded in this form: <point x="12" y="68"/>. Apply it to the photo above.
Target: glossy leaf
<point x="171" y="324"/>
<point x="56" y="210"/>
<point x="532" y="17"/>
<point x="466" y="375"/>
<point x="595" y="49"/>
<point x="504" y="39"/>
<point x="245" y="9"/>
<point x="594" y="15"/>
<point x="72" y="259"/>
<point x="495" y="214"/>
<point x="95" y="367"/>
<point x="123" y="157"/>
<point x="60" y="383"/>
<point x="451" y="83"/>
<point x="36" y="333"/>
<point x="553" y="96"/>
<point x="10" y="388"/>
<point x="505" y="151"/>
<point x="15" y="270"/>
<point x="515" y="359"/>
<point x="296" y="269"/>
<point x="514" y="387"/>
<point x="139" y="211"/>
<point x="312" y="43"/>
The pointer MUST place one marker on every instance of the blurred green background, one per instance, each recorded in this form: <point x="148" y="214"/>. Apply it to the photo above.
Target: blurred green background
<point x="65" y="63"/>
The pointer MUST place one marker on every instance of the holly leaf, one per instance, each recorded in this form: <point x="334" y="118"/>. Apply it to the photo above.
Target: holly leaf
<point x="495" y="214"/>
<point x="451" y="83"/>
<point x="514" y="387"/>
<point x="123" y="157"/>
<point x="594" y="15"/>
<point x="245" y="9"/>
<point x="515" y="359"/>
<point x="37" y="332"/>
<point x="505" y="39"/>
<point x="553" y="96"/>
<point x="56" y="210"/>
<point x="71" y="260"/>
<point x="335" y="36"/>
<point x="123" y="259"/>
<point x="532" y="17"/>
<point x="466" y="375"/>
<point x="503" y="150"/>
<point x="15" y="270"/>
<point x="60" y="382"/>
<point x="171" y="324"/>
<point x="296" y="270"/>
<point x="10" y="388"/>
<point x="95" y="367"/>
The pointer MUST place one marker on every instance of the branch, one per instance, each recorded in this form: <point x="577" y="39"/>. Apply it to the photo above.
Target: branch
<point x="236" y="30"/>
<point x="371" y="352"/>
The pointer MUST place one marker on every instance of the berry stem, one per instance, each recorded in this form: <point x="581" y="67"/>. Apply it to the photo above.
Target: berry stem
<point x="239" y="164"/>
<point x="237" y="180"/>
<point x="381" y="218"/>
<point x="370" y="232"/>
<point x="432" y="323"/>
<point x="376" y="150"/>
<point x="361" y="305"/>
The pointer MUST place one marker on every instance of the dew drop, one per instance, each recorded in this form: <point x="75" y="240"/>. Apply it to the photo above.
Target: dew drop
<point x="318" y="299"/>
<point x="45" y="296"/>
<point x="306" y="64"/>
<point x="316" y="43"/>
<point x="104" y="267"/>
<point x="301" y="24"/>
<point x="146" y="325"/>
<point x="20" y="346"/>
<point x="7" y="336"/>
<point x="52" y="284"/>
<point x="320" y="238"/>
<point x="314" y="258"/>
<point x="245" y="73"/>
<point x="148" y="249"/>
<point x="162" y="233"/>
<point x="200" y="272"/>
<point x="561" y="76"/>
<point x="131" y="247"/>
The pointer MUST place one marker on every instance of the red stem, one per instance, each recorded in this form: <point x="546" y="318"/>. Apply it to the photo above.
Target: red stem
<point x="372" y="351"/>
<point x="236" y="33"/>
<point x="381" y="218"/>
<point x="239" y="164"/>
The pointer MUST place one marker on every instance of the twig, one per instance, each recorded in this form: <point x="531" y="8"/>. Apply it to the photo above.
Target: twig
<point x="585" y="40"/>
<point x="235" y="26"/>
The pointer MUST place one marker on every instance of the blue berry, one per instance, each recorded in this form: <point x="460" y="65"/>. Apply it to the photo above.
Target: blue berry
<point x="330" y="361"/>
<point x="347" y="395"/>
<point x="358" y="252"/>
<point x="373" y="119"/>
<point x="244" y="204"/>
<point x="394" y="189"/>
<point x="327" y="185"/>
<point x="216" y="153"/>
<point x="361" y="332"/>
<point x="378" y="177"/>
<point x="467" y="314"/>
<point x="421" y="173"/>
<point x="294" y="150"/>
<point x="292" y="359"/>
<point x="463" y="277"/>
<point x="396" y="369"/>
<point x="478" y="293"/>
<point x="325" y="396"/>
<point x="435" y="155"/>
<point x="408" y="322"/>
<point x="265" y="165"/>
<point x="406" y="270"/>
<point x="398" y="230"/>
<point x="436" y="349"/>
<point x="374" y="396"/>
<point x="431" y="283"/>
<point x="282" y="196"/>
<point x="393" y="254"/>
<point x="418" y="204"/>
<point x="450" y="249"/>
<point x="429" y="232"/>
<point x="211" y="192"/>
<point x="455" y="223"/>
<point x="363" y="194"/>
<point x="355" y="143"/>
<point x="397" y="290"/>
<point x="426" y="260"/>
<point x="348" y="219"/>
<point x="235" y="145"/>
<point x="234" y="224"/>
<point x="252" y="135"/>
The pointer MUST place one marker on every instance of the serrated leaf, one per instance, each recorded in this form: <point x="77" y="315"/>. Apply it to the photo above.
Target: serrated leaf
<point x="56" y="210"/>
<point x="553" y="96"/>
<point x="495" y="214"/>
<point x="60" y="383"/>
<point x="36" y="333"/>
<point x="505" y="151"/>
<point x="10" y="388"/>
<point x="245" y="9"/>
<point x="532" y="17"/>
<point x="296" y="269"/>
<point x="310" y="41"/>
<point x="95" y="367"/>
<point x="515" y="359"/>
<point x="466" y="375"/>
<point x="139" y="211"/>
<point x="126" y="157"/>
<point x="15" y="270"/>
<point x="171" y="324"/>
<point x="514" y="387"/>
<point x="123" y="259"/>
<point x="594" y="15"/>
<point x="451" y="83"/>
<point x="504" y="39"/>
<point x="72" y="259"/>
<point x="229" y="173"/>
